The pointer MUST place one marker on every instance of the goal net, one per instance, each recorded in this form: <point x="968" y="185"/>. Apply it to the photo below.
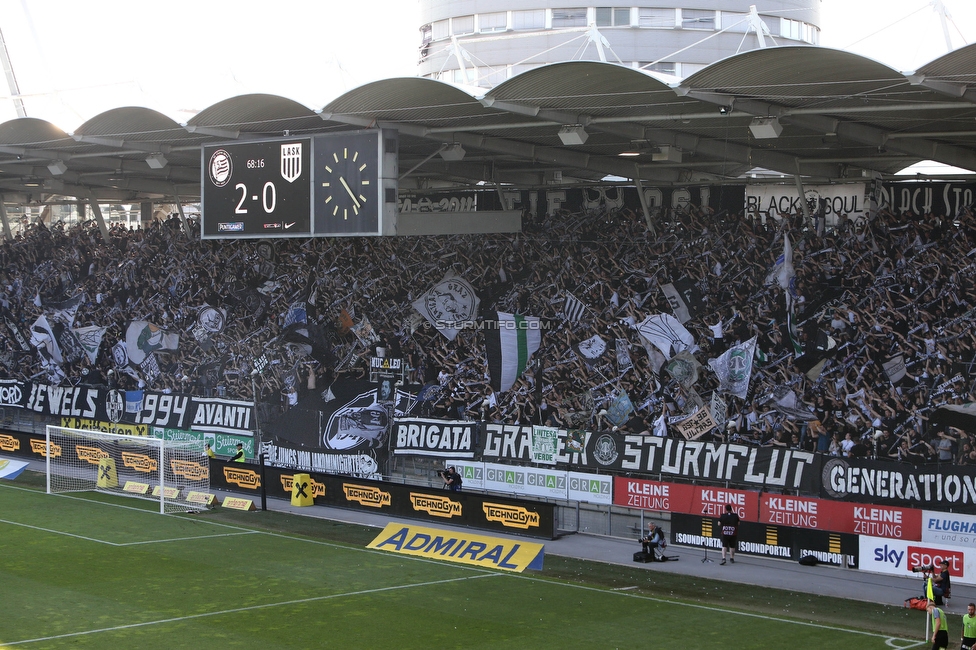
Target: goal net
<point x="166" y="471"/>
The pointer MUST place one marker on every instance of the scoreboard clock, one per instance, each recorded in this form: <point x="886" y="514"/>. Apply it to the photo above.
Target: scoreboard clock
<point x="347" y="186"/>
<point x="340" y="184"/>
<point x="256" y="189"/>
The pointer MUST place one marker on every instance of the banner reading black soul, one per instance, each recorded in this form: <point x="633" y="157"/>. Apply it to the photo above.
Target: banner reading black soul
<point x="769" y="541"/>
<point x="432" y="505"/>
<point x="743" y="465"/>
<point x="172" y="411"/>
<point x="935" y="487"/>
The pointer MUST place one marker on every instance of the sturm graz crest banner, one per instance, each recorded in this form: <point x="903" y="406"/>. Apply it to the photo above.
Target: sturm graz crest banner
<point x="349" y="416"/>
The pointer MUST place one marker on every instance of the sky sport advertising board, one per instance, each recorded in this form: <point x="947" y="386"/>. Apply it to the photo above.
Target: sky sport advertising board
<point x="898" y="557"/>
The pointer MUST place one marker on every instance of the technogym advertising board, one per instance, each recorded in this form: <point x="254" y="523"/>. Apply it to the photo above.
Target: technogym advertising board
<point x="430" y="504"/>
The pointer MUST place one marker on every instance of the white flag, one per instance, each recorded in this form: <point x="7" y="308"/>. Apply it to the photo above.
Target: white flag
<point x="734" y="368"/>
<point x="665" y="333"/>
<point x="449" y="305"/>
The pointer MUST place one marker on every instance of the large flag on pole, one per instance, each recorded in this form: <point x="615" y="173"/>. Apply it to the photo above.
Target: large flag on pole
<point x="509" y="342"/>
<point x="782" y="272"/>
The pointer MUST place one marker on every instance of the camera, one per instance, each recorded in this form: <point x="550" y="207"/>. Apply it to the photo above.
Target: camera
<point x="926" y="568"/>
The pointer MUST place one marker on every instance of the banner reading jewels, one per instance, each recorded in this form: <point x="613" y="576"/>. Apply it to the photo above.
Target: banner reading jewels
<point x="169" y="410"/>
<point x="742" y="464"/>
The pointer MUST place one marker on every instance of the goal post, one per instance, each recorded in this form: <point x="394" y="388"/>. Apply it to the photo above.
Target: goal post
<point x="82" y="460"/>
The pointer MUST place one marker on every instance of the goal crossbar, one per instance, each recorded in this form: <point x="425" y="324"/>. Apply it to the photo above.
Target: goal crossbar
<point x="83" y="460"/>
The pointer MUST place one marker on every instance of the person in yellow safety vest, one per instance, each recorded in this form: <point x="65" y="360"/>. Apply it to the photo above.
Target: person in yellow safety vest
<point x="210" y="451"/>
<point x="239" y="456"/>
<point x="940" y="627"/>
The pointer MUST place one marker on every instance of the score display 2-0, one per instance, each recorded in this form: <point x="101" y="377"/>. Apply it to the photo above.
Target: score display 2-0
<point x="257" y="189"/>
<point x="334" y="184"/>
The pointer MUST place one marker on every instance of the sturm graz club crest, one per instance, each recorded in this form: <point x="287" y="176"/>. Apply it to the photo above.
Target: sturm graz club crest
<point x="211" y="319"/>
<point x="115" y="405"/>
<point x="605" y="449"/>
<point x="451" y="300"/>
<point x="361" y="421"/>
<point x="221" y="168"/>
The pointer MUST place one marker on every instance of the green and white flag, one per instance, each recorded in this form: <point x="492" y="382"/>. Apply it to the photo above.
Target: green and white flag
<point x="734" y="368"/>
<point x="509" y="342"/>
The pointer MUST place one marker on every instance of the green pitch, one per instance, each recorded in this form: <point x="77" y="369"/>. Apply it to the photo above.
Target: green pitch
<point x="92" y="571"/>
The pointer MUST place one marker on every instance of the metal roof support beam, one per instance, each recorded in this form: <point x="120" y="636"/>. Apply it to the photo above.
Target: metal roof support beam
<point x="558" y="156"/>
<point x="99" y="219"/>
<point x="6" y="224"/>
<point x="179" y="208"/>
<point x="722" y="150"/>
<point x="643" y="202"/>
<point x="944" y="87"/>
<point x="856" y="131"/>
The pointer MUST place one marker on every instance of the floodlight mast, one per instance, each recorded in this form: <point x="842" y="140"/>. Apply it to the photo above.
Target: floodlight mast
<point x="8" y="71"/>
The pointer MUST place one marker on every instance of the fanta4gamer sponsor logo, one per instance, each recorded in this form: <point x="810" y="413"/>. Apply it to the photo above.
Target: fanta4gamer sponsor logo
<point x="511" y="516"/>
<point x="189" y="470"/>
<point x="139" y="462"/>
<point x="245" y="478"/>
<point x="38" y="447"/>
<point x="9" y="443"/>
<point x="288" y="483"/>
<point x="436" y="506"/>
<point x="366" y="496"/>
<point x="90" y="454"/>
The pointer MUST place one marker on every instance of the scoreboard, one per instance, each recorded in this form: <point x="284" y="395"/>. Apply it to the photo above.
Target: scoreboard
<point x="339" y="184"/>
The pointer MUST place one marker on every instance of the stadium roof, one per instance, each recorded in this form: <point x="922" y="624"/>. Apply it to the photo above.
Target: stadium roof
<point x="822" y="113"/>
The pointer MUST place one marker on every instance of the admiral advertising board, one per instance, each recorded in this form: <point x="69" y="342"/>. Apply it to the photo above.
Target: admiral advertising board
<point x="430" y="504"/>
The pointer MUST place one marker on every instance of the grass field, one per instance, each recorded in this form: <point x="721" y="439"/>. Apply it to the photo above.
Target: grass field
<point x="96" y="571"/>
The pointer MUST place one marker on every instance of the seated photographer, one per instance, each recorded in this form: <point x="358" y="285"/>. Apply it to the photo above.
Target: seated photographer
<point x="940" y="583"/>
<point x="452" y="480"/>
<point x="654" y="543"/>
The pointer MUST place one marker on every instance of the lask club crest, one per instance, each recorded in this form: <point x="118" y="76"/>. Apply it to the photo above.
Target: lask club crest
<point x="291" y="161"/>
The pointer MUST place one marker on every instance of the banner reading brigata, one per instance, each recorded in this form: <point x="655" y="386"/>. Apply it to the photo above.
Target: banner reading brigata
<point x="429" y="437"/>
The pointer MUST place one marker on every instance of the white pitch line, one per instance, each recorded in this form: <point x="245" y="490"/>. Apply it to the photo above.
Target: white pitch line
<point x="189" y="539"/>
<point x="59" y="532"/>
<point x="251" y="608"/>
<point x="717" y="609"/>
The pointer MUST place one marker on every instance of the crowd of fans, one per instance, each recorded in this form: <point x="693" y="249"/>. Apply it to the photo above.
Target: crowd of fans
<point x="898" y="284"/>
